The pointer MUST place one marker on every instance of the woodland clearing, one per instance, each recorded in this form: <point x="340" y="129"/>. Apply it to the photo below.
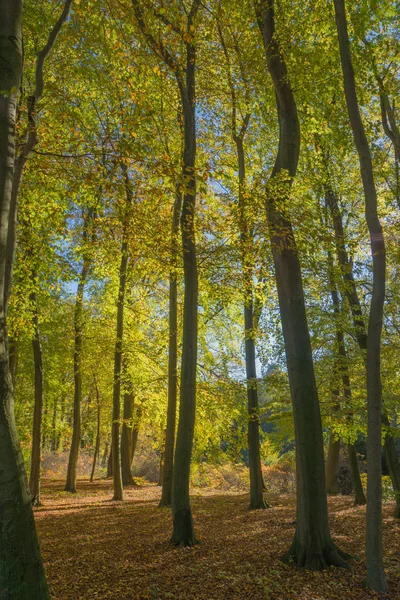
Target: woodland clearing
<point x="95" y="548"/>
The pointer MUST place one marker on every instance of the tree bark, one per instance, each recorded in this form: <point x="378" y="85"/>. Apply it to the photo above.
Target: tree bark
<point x="247" y="254"/>
<point x="135" y="432"/>
<point x="36" y="455"/>
<point x="166" y="493"/>
<point x="183" y="531"/>
<point x="343" y="363"/>
<point x="70" y="485"/>
<point x="110" y="463"/>
<point x="332" y="465"/>
<point x="126" y="438"/>
<point x="97" y="446"/>
<point x="116" y="414"/>
<point x="312" y="547"/>
<point x="21" y="569"/>
<point x="374" y="552"/>
<point x="359" y="496"/>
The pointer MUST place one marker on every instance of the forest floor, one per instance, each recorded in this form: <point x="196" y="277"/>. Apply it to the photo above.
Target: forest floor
<point x="95" y="549"/>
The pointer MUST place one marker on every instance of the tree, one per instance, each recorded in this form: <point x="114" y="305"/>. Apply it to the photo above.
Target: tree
<point x="312" y="546"/>
<point x="21" y="570"/>
<point x="238" y="131"/>
<point x="375" y="571"/>
<point x="183" y="532"/>
<point x="88" y="237"/>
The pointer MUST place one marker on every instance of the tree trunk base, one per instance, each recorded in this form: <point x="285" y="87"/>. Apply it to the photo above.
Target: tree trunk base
<point x="262" y="505"/>
<point x="396" y="513"/>
<point x="70" y="489"/>
<point x="360" y="500"/>
<point x="183" y="532"/>
<point x="315" y="559"/>
<point x="164" y="504"/>
<point x="36" y="501"/>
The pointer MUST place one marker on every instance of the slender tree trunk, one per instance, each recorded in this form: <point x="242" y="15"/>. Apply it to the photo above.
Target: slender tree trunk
<point x="126" y="439"/>
<point x="247" y="251"/>
<point x="359" y="496"/>
<point x="135" y="432"/>
<point x="161" y="467"/>
<point x="104" y="458"/>
<point x="343" y="363"/>
<point x="70" y="485"/>
<point x="34" y="480"/>
<point x="116" y="414"/>
<point x="115" y="439"/>
<point x="312" y="546"/>
<point x="253" y="428"/>
<point x="110" y="463"/>
<point x="21" y="570"/>
<point x="183" y="531"/>
<point x="54" y="441"/>
<point x="172" y="356"/>
<point x="332" y="465"/>
<point x="375" y="572"/>
<point x="97" y="446"/>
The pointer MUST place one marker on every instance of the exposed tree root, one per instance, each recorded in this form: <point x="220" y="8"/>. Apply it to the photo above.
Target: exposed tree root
<point x="313" y="560"/>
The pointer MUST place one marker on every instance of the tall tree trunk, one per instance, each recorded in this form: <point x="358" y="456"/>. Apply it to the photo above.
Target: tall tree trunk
<point x="135" y="432"/>
<point x="359" y="496"/>
<point x="116" y="414"/>
<point x="375" y="572"/>
<point x="247" y="251"/>
<point x="110" y="463"/>
<point x="34" y="479"/>
<point x="332" y="465"/>
<point x="97" y="446"/>
<point x="312" y="546"/>
<point x="253" y="428"/>
<point x="343" y="363"/>
<point x="21" y="570"/>
<point x="172" y="356"/>
<point x="183" y="531"/>
<point x="70" y="485"/>
<point x="126" y="438"/>
<point x="54" y="441"/>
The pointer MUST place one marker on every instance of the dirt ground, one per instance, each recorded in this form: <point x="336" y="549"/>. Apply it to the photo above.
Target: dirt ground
<point x="94" y="548"/>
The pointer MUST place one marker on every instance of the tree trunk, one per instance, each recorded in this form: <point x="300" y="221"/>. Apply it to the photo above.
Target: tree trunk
<point x="97" y="446"/>
<point x="343" y="363"/>
<point x="183" y="531"/>
<point x="392" y="461"/>
<point x="104" y="458"/>
<point x="135" y="432"/>
<point x="110" y="463"/>
<point x="332" y="465"/>
<point x="359" y="496"/>
<point x="116" y="415"/>
<point x="161" y="468"/>
<point x="21" y="570"/>
<point x="253" y="428"/>
<point x="374" y="552"/>
<point x="172" y="356"/>
<point x="34" y="479"/>
<point x="312" y="547"/>
<point x="126" y="439"/>
<point x="54" y="441"/>
<point x="13" y="352"/>
<point x="257" y="485"/>
<point x="70" y="485"/>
